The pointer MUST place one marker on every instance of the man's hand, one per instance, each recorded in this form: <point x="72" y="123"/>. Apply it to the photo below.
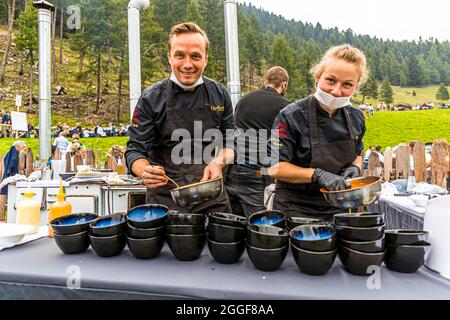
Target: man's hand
<point x="153" y="177"/>
<point x="212" y="171"/>
<point x="329" y="181"/>
<point x="351" y="172"/>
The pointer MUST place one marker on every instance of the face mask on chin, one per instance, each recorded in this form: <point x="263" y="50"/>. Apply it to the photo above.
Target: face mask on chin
<point x="184" y="87"/>
<point x="331" y="102"/>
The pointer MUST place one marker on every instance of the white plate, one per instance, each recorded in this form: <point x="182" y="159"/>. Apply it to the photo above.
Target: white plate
<point x="11" y="233"/>
<point x="91" y="174"/>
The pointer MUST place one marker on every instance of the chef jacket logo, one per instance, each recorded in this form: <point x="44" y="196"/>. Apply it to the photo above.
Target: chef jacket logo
<point x="218" y="108"/>
<point x="281" y="129"/>
<point x="135" y="114"/>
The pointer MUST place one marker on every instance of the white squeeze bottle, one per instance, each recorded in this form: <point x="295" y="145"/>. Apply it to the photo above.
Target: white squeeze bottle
<point x="29" y="210"/>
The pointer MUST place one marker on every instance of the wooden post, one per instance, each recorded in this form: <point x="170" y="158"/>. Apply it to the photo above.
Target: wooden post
<point x="402" y="161"/>
<point x="387" y="164"/>
<point x="99" y="158"/>
<point x="420" y="164"/>
<point x="57" y="154"/>
<point x="90" y="158"/>
<point x="374" y="163"/>
<point x="22" y="164"/>
<point x="440" y="162"/>
<point x="77" y="160"/>
<point x="29" y="162"/>
<point x="68" y="162"/>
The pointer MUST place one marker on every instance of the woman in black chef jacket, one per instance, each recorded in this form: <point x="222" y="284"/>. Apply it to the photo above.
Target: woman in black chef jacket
<point x="319" y="139"/>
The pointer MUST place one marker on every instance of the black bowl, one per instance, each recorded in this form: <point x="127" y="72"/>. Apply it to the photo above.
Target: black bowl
<point x="73" y="243"/>
<point x="180" y="218"/>
<point x="365" y="246"/>
<point x="148" y="216"/>
<point x="137" y="233"/>
<point x="225" y="234"/>
<point x="108" y="246"/>
<point x="186" y="247"/>
<point x="267" y="237"/>
<point x="145" y="248"/>
<point x="185" y="229"/>
<point x="67" y="175"/>
<point x="267" y="259"/>
<point x="272" y="218"/>
<point x="109" y="225"/>
<point x="406" y="258"/>
<point x="406" y="237"/>
<point x="359" y="234"/>
<point x="226" y="253"/>
<point x="359" y="263"/>
<point x="293" y="222"/>
<point x="72" y="223"/>
<point x="359" y="220"/>
<point x="313" y="263"/>
<point x="227" y="219"/>
<point x="312" y="237"/>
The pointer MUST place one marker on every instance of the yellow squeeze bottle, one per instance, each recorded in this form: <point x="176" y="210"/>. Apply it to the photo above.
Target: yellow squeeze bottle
<point x="58" y="209"/>
<point x="29" y="210"/>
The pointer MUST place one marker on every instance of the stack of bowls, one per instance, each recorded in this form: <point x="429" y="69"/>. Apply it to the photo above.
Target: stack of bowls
<point x="267" y="240"/>
<point x="314" y="248"/>
<point x="406" y="250"/>
<point x="185" y="233"/>
<point x="107" y="234"/>
<point x="361" y="241"/>
<point x="226" y="234"/>
<point x="146" y="228"/>
<point x="72" y="232"/>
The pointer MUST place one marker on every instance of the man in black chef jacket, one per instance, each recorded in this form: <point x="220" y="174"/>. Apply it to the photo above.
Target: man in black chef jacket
<point x="170" y="121"/>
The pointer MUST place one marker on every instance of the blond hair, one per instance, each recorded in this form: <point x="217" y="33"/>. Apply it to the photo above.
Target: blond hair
<point x="187" y="27"/>
<point x="349" y="54"/>
<point x="276" y="76"/>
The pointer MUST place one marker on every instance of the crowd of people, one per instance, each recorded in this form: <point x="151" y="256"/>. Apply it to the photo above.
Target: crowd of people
<point x="98" y="131"/>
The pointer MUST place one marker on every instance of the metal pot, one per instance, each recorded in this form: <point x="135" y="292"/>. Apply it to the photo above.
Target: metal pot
<point x="197" y="193"/>
<point x="365" y="191"/>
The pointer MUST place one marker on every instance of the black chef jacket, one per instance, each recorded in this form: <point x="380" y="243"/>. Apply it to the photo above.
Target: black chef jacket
<point x="291" y="141"/>
<point x="150" y="114"/>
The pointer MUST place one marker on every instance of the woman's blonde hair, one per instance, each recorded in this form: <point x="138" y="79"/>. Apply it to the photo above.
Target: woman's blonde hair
<point x="347" y="53"/>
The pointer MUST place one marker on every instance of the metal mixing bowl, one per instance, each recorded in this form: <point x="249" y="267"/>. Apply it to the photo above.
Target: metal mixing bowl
<point x="367" y="192"/>
<point x="197" y="193"/>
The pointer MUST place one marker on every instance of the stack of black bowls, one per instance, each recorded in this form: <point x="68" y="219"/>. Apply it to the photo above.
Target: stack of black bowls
<point x="406" y="250"/>
<point x="185" y="233"/>
<point x="72" y="232"/>
<point x="146" y="229"/>
<point x="361" y="241"/>
<point x="107" y="234"/>
<point x="314" y="248"/>
<point x="226" y="233"/>
<point x="267" y="240"/>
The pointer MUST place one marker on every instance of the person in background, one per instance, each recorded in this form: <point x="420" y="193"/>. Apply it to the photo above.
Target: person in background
<point x="61" y="142"/>
<point x="319" y="141"/>
<point x="10" y="169"/>
<point x="380" y="154"/>
<point x="256" y="110"/>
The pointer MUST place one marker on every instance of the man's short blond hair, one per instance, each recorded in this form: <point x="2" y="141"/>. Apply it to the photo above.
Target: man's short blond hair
<point x="187" y="27"/>
<point x="276" y="76"/>
<point x="349" y="54"/>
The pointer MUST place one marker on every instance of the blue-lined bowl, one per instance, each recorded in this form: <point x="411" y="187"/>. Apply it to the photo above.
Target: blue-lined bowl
<point x="109" y="225"/>
<point x="148" y="216"/>
<point x="72" y="223"/>
<point x="272" y="218"/>
<point x="316" y="238"/>
<point x="267" y="237"/>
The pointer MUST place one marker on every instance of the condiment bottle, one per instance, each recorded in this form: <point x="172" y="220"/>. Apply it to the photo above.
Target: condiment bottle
<point x="29" y="210"/>
<point x="59" y="208"/>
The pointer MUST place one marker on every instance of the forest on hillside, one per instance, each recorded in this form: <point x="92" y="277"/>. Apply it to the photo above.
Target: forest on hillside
<point x="99" y="44"/>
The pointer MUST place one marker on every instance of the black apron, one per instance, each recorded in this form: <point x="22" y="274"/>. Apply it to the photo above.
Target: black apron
<point x="306" y="200"/>
<point x="184" y="174"/>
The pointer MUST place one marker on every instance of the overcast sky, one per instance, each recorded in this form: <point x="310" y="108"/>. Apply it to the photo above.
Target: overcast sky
<point x="387" y="19"/>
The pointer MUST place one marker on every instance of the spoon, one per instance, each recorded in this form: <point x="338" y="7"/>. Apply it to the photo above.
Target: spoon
<point x="171" y="180"/>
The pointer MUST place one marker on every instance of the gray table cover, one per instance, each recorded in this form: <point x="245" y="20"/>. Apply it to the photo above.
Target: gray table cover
<point x="398" y="217"/>
<point x="38" y="270"/>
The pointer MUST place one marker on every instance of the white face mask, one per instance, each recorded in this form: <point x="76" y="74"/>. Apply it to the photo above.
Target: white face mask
<point x="184" y="87"/>
<point x="331" y="102"/>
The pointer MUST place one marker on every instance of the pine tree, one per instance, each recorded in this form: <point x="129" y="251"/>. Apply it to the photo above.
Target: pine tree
<point x="442" y="93"/>
<point x="386" y="92"/>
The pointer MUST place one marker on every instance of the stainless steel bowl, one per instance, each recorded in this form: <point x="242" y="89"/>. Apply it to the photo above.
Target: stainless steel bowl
<point x="366" y="190"/>
<point x="197" y="193"/>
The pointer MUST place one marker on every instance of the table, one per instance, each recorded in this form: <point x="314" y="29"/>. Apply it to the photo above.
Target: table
<point x="400" y="212"/>
<point x="38" y="270"/>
